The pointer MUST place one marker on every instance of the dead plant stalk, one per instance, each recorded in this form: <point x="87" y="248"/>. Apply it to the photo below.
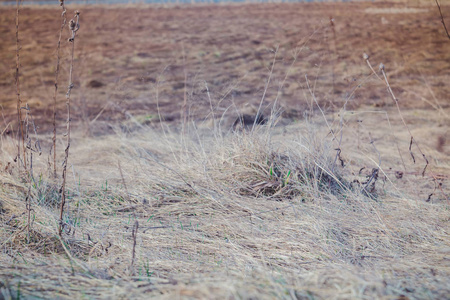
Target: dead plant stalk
<point x="19" y="101"/>
<point x="442" y="18"/>
<point x="58" y="50"/>
<point x="74" y="25"/>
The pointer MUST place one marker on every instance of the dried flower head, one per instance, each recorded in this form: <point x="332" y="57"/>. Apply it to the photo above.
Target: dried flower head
<point x="381" y="67"/>
<point x="365" y="56"/>
<point x="72" y="25"/>
<point x="61" y="2"/>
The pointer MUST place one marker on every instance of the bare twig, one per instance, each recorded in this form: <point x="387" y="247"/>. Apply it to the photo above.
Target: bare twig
<point x="442" y="18"/>
<point x="28" y="208"/>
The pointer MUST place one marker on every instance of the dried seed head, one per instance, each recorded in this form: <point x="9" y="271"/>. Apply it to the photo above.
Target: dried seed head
<point x="61" y="2"/>
<point x="365" y="56"/>
<point x="381" y="67"/>
<point x="77" y="13"/>
<point x="72" y="25"/>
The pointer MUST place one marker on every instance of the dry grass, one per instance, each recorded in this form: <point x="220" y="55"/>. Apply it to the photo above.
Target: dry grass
<point x="215" y="222"/>
<point x="193" y="208"/>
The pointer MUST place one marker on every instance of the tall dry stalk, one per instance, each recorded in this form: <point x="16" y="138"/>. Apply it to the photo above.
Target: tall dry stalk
<point x="74" y="25"/>
<point x="442" y="18"/>
<point x="333" y="66"/>
<point x="58" y="50"/>
<point x="184" y="106"/>
<point x="19" y="101"/>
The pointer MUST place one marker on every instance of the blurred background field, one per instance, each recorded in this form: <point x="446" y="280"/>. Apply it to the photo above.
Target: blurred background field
<point x="128" y="58"/>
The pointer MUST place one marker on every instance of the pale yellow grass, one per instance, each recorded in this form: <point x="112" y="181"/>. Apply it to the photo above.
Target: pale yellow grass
<point x="215" y="223"/>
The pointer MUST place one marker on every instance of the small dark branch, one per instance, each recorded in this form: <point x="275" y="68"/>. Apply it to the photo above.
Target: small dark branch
<point x="63" y="190"/>
<point x="28" y="208"/>
<point x="410" y="150"/>
<point x="442" y="18"/>
<point x="341" y="130"/>
<point x="360" y="170"/>
<point x="338" y="156"/>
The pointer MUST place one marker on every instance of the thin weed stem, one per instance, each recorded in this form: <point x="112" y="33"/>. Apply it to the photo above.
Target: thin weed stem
<point x="58" y="50"/>
<point x="317" y="103"/>
<point x="442" y="18"/>
<point x="19" y="101"/>
<point x="74" y="25"/>
<point x="265" y="89"/>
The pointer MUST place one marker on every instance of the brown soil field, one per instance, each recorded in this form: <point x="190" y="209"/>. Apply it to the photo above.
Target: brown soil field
<point x="128" y="59"/>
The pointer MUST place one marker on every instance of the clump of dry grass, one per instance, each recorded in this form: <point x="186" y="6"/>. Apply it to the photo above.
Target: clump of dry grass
<point x="252" y="165"/>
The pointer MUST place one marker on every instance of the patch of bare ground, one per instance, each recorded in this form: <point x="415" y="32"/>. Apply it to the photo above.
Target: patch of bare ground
<point x="132" y="59"/>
